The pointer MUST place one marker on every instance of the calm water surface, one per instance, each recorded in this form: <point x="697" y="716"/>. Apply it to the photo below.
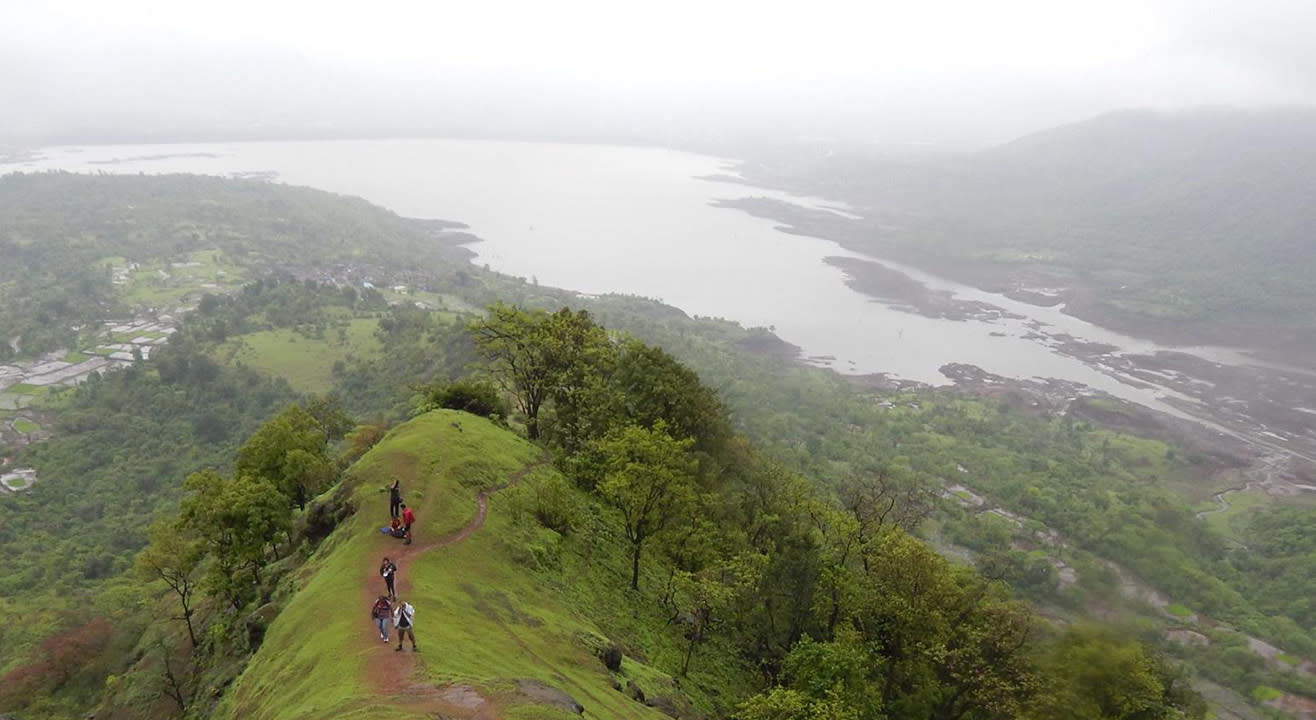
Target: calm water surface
<point x="603" y="219"/>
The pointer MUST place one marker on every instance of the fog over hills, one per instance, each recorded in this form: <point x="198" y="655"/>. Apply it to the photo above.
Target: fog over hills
<point x="1167" y="221"/>
<point x="944" y="74"/>
<point x="1006" y="411"/>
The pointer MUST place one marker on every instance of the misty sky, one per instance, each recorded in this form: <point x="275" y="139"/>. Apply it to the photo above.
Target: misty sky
<point x="950" y="73"/>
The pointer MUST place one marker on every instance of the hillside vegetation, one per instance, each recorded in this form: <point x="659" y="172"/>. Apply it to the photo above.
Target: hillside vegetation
<point x="1192" y="225"/>
<point x="483" y="621"/>
<point x="62" y="236"/>
<point x="762" y="580"/>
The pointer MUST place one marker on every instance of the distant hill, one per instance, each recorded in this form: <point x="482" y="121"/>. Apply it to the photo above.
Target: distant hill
<point x="1193" y="225"/>
<point x="1225" y="185"/>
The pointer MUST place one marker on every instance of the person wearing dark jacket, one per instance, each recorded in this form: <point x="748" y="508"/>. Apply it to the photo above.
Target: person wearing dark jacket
<point x="380" y="614"/>
<point x="394" y="497"/>
<point x="388" y="570"/>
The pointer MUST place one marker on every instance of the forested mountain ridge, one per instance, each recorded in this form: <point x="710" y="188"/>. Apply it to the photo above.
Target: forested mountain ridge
<point x="1186" y="226"/>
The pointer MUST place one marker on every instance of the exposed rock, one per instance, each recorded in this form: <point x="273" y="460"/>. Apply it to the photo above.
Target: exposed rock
<point x="322" y="516"/>
<point x="611" y="657"/>
<point x="1187" y="637"/>
<point x="548" y="695"/>
<point x="463" y="696"/>
<point x="258" y="622"/>
<point x="665" y="704"/>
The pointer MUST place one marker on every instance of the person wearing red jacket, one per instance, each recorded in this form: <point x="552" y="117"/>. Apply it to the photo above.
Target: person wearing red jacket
<point x="408" y="518"/>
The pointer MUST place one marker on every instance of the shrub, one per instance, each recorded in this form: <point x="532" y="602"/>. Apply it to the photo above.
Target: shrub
<point x="611" y="657"/>
<point x="477" y="397"/>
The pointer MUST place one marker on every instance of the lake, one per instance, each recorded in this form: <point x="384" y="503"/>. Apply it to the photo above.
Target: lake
<point x="601" y="219"/>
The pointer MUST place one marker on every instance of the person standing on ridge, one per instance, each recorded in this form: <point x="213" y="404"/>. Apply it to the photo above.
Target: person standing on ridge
<point x="388" y="570"/>
<point x="394" y="497"/>
<point x="408" y="519"/>
<point x="380" y="614"/>
<point x="404" y="616"/>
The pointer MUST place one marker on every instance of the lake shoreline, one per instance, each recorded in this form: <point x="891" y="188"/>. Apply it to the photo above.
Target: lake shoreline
<point x="1278" y="342"/>
<point x="611" y="220"/>
<point x="1238" y="415"/>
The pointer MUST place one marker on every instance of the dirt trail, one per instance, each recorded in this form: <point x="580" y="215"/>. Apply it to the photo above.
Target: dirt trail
<point x="394" y="674"/>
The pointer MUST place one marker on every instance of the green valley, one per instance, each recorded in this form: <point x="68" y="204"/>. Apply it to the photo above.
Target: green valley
<point x="676" y="525"/>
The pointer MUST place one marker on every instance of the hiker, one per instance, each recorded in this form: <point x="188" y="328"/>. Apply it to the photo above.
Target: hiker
<point x="394" y="528"/>
<point x="394" y="497"/>
<point x="388" y="571"/>
<point x="408" y="519"/>
<point x="404" y="616"/>
<point x="380" y="614"/>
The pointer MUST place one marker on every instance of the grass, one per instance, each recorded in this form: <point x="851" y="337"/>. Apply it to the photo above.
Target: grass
<point x="481" y="619"/>
<point x="306" y="363"/>
<point x="25" y="426"/>
<point x="148" y="287"/>
<point x="1232" y="522"/>
<point x="1178" y="610"/>
<point x="76" y="357"/>
<point x="1144" y="457"/>
<point x="1266" y="693"/>
<point x="26" y="389"/>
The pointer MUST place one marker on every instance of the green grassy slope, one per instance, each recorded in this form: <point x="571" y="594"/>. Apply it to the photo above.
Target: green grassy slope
<point x="306" y="363"/>
<point x="482" y="621"/>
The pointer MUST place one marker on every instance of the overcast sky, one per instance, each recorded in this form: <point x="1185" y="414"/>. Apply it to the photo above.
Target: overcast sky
<point x="945" y="72"/>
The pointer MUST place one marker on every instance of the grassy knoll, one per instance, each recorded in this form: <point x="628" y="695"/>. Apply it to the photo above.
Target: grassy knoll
<point x="25" y="426"/>
<point x="482" y="620"/>
<point x="306" y="363"/>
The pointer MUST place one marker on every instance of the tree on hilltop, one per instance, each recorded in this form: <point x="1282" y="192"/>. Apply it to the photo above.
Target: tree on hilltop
<point x="289" y="451"/>
<point x="535" y="354"/>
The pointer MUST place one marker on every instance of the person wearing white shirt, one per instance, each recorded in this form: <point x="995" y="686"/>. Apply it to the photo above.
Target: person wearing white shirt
<point x="404" y="617"/>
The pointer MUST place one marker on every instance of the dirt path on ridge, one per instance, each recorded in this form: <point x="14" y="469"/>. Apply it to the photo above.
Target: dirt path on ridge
<point x="393" y="674"/>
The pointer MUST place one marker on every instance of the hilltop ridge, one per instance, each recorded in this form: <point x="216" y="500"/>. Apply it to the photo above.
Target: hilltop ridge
<point x="493" y="643"/>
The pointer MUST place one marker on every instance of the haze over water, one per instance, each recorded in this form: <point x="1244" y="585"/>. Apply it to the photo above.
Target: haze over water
<point x="600" y="219"/>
